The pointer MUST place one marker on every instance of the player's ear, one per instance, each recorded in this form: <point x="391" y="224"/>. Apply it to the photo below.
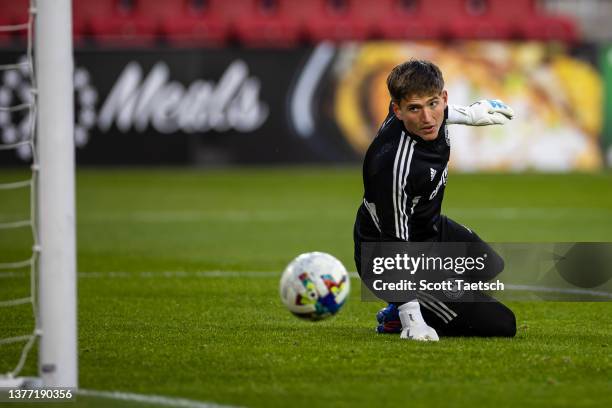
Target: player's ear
<point x="445" y="97"/>
<point x="396" y="110"/>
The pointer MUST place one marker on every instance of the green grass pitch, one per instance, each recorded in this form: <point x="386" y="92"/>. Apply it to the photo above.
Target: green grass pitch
<point x="155" y="317"/>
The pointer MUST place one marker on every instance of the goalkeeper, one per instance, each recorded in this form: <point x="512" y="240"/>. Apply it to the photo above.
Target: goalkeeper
<point x="404" y="174"/>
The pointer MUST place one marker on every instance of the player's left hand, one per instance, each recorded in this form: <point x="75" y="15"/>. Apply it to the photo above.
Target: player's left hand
<point x="482" y="113"/>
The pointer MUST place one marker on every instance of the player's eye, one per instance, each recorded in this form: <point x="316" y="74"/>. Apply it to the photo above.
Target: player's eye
<point x="433" y="104"/>
<point x="413" y="109"/>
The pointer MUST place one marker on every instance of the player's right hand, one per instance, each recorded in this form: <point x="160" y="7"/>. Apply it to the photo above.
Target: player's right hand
<point x="413" y="324"/>
<point x="421" y="332"/>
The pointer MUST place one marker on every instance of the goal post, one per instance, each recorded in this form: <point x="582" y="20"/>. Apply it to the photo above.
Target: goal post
<point x="58" y="361"/>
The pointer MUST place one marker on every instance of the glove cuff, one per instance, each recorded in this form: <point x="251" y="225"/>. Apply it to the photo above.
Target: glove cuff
<point x="459" y="115"/>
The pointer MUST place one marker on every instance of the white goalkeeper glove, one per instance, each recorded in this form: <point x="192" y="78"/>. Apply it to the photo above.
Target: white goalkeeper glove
<point x="413" y="325"/>
<point x="481" y="113"/>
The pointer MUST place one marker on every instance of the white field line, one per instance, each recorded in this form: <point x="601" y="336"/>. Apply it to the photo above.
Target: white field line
<point x="279" y="216"/>
<point x="275" y="274"/>
<point x="239" y="216"/>
<point x="570" y="291"/>
<point x="151" y="399"/>
<point x="160" y="217"/>
<point x="514" y="213"/>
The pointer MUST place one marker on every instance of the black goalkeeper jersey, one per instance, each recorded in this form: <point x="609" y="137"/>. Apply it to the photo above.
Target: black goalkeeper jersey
<point x="404" y="178"/>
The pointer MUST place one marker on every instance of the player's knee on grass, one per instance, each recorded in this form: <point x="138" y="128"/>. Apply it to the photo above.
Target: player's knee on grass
<point x="510" y="328"/>
<point x="490" y="317"/>
<point x="500" y="321"/>
<point x="484" y="318"/>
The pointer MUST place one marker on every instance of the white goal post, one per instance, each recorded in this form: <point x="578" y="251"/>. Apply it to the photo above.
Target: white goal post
<point x="58" y="366"/>
<point x="53" y="290"/>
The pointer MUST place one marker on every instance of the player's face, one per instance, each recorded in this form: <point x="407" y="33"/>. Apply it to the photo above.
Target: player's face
<point x="422" y="115"/>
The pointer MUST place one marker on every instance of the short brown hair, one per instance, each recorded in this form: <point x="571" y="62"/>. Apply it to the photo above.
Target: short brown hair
<point x="414" y="77"/>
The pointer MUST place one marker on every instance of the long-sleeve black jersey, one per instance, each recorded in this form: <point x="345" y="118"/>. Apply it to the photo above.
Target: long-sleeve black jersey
<point x="404" y="178"/>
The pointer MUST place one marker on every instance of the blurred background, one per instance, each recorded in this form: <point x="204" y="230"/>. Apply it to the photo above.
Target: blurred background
<point x="215" y="83"/>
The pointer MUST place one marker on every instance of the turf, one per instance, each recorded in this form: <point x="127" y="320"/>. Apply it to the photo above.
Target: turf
<point x="154" y="320"/>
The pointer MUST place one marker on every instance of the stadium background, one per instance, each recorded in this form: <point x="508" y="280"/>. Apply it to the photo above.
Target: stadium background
<point x="217" y="140"/>
<point x="304" y="81"/>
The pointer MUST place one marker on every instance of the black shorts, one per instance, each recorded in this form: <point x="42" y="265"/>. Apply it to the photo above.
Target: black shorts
<point x="482" y="316"/>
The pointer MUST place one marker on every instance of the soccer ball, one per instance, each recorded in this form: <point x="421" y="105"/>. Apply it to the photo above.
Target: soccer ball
<point x="314" y="286"/>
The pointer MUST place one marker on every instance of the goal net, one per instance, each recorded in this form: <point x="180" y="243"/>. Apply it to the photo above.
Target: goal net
<point x="40" y="128"/>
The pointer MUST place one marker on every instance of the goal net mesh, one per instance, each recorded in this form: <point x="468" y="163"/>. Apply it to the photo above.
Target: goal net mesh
<point x="19" y="323"/>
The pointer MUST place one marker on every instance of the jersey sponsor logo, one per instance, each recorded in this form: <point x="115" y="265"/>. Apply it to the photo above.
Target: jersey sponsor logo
<point x="441" y="183"/>
<point x="446" y="137"/>
<point x="415" y="201"/>
<point x="432" y="172"/>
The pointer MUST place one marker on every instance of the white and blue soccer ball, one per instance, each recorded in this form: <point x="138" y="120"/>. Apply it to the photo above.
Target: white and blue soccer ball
<point x="314" y="286"/>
